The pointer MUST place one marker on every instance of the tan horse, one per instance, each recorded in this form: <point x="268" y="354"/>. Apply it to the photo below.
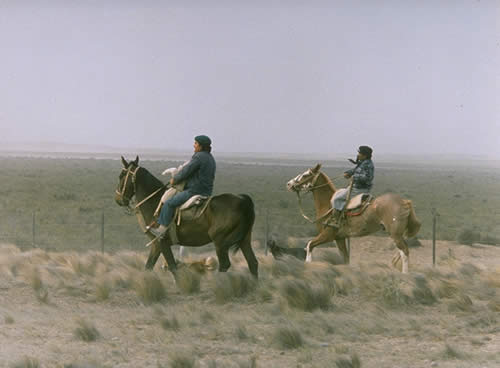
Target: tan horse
<point x="390" y="210"/>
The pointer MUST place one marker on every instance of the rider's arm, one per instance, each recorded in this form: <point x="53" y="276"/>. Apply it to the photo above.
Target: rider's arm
<point x="187" y="170"/>
<point x="363" y="174"/>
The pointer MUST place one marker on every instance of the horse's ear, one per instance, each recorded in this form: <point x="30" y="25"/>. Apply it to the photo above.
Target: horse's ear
<point x="136" y="161"/>
<point x="316" y="168"/>
<point x="124" y="162"/>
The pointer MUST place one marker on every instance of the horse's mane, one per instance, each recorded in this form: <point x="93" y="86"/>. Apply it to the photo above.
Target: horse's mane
<point x="329" y="182"/>
<point x="148" y="179"/>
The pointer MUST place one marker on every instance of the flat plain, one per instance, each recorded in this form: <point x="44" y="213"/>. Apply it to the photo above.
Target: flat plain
<point x="64" y="303"/>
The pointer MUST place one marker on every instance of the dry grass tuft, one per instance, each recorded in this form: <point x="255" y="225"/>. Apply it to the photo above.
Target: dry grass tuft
<point x="170" y="324"/>
<point x="494" y="304"/>
<point x="8" y="320"/>
<point x="181" y="359"/>
<point x="230" y="286"/>
<point x="447" y="289"/>
<point x="287" y="266"/>
<point x="461" y="302"/>
<point x="393" y="293"/>
<point x="331" y="256"/>
<point x="86" y="331"/>
<point x="149" y="287"/>
<point x="469" y="270"/>
<point x="288" y="337"/>
<point x="252" y="363"/>
<point x="26" y="362"/>
<point x="352" y="362"/>
<point x="102" y="289"/>
<point x="187" y="281"/>
<point x="452" y="353"/>
<point x="301" y="295"/>
<point x="422" y="293"/>
<point x="241" y="332"/>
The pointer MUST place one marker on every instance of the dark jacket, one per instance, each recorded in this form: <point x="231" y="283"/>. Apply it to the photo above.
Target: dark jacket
<point x="362" y="175"/>
<point x="199" y="174"/>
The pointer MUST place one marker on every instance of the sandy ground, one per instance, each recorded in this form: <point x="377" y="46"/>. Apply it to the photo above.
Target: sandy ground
<point x="45" y="296"/>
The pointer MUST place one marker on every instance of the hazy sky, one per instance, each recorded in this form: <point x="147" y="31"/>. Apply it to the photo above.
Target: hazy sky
<point x="417" y="76"/>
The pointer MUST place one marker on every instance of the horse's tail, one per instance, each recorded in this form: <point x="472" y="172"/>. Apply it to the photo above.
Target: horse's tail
<point x="413" y="222"/>
<point x="245" y="226"/>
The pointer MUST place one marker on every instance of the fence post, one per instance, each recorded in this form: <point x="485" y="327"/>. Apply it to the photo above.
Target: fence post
<point x="102" y="232"/>
<point x="434" y="215"/>
<point x="33" y="229"/>
<point x="348" y="250"/>
<point x="266" y="232"/>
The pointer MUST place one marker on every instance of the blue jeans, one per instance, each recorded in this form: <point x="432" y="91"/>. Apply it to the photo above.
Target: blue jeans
<point x="170" y="205"/>
<point x="340" y="197"/>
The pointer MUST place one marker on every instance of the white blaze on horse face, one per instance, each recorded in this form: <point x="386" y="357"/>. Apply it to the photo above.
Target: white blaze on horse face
<point x="301" y="180"/>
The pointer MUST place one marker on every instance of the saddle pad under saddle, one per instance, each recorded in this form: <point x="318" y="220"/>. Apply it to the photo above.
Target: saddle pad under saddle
<point x="358" y="201"/>
<point x="192" y="209"/>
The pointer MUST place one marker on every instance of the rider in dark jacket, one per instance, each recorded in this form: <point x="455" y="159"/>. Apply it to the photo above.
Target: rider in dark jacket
<point x="362" y="182"/>
<point x="199" y="175"/>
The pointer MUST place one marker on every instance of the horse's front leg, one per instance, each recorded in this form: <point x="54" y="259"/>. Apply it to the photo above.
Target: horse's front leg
<point x="154" y="253"/>
<point x="166" y="250"/>
<point x="325" y="236"/>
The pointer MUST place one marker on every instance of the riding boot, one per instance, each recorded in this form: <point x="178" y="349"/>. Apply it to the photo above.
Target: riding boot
<point x="160" y="231"/>
<point x="334" y="219"/>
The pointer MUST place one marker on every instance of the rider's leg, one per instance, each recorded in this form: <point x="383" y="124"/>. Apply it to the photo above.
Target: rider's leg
<point x="168" y="211"/>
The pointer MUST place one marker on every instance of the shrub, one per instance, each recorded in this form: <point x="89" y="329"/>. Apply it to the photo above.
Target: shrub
<point x="301" y="295"/>
<point x="149" y="288"/>
<point x="353" y="362"/>
<point x="86" y="331"/>
<point x="170" y="324"/>
<point x="489" y="240"/>
<point x="26" y="362"/>
<point x="468" y="236"/>
<point x="187" y="281"/>
<point x="288" y="337"/>
<point x="181" y="359"/>
<point x="229" y="286"/>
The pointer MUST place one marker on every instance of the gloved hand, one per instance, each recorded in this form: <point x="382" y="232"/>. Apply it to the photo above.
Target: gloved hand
<point x="170" y="171"/>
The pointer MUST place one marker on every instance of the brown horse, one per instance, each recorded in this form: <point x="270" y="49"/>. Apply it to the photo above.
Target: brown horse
<point x="227" y="221"/>
<point x="390" y="210"/>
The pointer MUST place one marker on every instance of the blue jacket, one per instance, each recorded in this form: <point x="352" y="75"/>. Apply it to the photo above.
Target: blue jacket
<point x="199" y="174"/>
<point x="362" y="175"/>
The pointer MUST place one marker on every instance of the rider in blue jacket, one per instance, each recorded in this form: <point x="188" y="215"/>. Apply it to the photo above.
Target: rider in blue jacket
<point x="198" y="174"/>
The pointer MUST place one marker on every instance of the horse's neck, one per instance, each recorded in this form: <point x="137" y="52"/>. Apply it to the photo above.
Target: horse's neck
<point x="323" y="194"/>
<point x="146" y="184"/>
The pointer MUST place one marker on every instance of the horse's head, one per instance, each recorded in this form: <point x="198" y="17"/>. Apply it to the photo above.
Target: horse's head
<point x="304" y="182"/>
<point x="126" y="182"/>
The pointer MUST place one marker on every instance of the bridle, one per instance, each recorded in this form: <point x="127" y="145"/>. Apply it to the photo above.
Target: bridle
<point x="131" y="173"/>
<point x="313" y="186"/>
<point x="299" y="186"/>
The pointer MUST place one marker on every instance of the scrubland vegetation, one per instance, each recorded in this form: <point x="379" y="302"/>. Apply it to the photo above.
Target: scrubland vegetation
<point x="69" y="196"/>
<point x="66" y="304"/>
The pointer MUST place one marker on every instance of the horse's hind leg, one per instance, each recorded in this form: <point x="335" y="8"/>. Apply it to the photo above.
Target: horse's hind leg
<point x="343" y="249"/>
<point x="246" y="248"/>
<point x="403" y="252"/>
<point x="223" y="256"/>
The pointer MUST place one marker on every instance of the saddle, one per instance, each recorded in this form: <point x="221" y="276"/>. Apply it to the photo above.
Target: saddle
<point x="192" y="208"/>
<point x="189" y="211"/>
<point x="358" y="204"/>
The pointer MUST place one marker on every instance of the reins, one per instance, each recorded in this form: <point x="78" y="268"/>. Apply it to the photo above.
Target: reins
<point x="314" y="187"/>
<point x="121" y="193"/>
